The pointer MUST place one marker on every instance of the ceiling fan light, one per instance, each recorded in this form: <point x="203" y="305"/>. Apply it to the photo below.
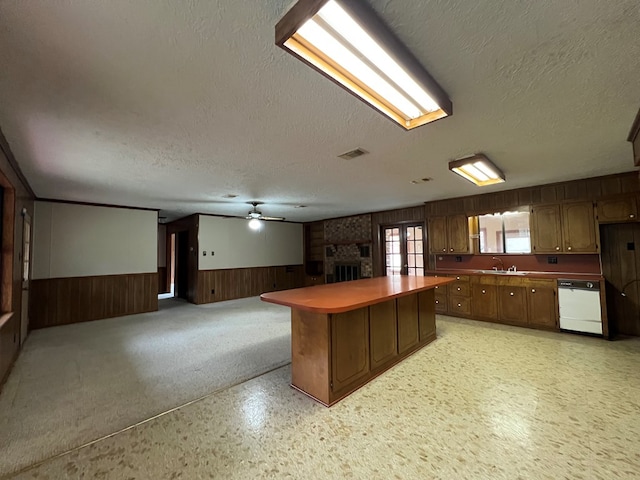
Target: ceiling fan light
<point x="255" y="224"/>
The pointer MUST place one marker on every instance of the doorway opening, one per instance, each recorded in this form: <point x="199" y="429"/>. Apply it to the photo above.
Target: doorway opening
<point x="179" y="264"/>
<point x="168" y="276"/>
<point x="403" y="249"/>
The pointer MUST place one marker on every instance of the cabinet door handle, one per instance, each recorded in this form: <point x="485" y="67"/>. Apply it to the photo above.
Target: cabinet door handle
<point x="457" y="278"/>
<point x="557" y="248"/>
<point x="436" y="288"/>
<point x="444" y="249"/>
<point x="568" y="248"/>
<point x="511" y="293"/>
<point x="459" y="289"/>
<point x="632" y="215"/>
<point x="451" y="249"/>
<point x="484" y="291"/>
<point x="437" y="301"/>
<point x="459" y="305"/>
<point x="533" y="290"/>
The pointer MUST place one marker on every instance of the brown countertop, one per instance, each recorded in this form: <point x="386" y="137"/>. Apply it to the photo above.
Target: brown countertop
<point x="345" y="296"/>
<point x="551" y="275"/>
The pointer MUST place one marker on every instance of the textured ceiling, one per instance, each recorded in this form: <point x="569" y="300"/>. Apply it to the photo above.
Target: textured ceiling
<point x="173" y="104"/>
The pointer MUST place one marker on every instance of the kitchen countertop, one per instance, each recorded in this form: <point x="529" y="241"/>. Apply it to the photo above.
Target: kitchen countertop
<point x="551" y="275"/>
<point x="345" y="296"/>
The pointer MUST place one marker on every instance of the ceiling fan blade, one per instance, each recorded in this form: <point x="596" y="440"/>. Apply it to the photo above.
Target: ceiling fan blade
<point x="279" y="219"/>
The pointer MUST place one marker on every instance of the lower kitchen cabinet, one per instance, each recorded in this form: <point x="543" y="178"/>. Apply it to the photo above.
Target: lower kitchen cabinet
<point x="459" y="306"/>
<point x="512" y="304"/>
<point x="509" y="299"/>
<point x="542" y="304"/>
<point x="484" y="298"/>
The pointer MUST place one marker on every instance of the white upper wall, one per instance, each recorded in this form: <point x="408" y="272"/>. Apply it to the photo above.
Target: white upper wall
<point x="237" y="246"/>
<point x="71" y="240"/>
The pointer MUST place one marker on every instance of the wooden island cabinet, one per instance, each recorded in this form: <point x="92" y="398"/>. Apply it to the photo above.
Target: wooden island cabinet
<point x="345" y="334"/>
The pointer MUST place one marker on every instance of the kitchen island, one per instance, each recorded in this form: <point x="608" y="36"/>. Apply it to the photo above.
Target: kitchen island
<point x="345" y="334"/>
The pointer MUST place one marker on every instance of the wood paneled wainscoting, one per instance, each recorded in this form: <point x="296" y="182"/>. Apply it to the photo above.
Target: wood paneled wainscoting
<point x="61" y="301"/>
<point x="232" y="283"/>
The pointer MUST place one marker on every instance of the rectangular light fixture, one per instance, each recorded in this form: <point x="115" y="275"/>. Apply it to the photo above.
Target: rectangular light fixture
<point x="348" y="43"/>
<point x="477" y="169"/>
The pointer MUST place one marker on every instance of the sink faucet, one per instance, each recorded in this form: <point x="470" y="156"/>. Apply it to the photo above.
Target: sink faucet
<point x="512" y="268"/>
<point x="501" y="263"/>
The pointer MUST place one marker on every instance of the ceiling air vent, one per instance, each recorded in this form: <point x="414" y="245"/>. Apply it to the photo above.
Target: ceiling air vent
<point x="358" y="152"/>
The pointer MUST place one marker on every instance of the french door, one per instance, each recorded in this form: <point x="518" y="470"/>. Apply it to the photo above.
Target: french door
<point x="403" y="249"/>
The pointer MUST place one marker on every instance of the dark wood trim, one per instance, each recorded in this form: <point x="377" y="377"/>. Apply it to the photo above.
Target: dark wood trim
<point x="4" y="318"/>
<point x="6" y="149"/>
<point x="635" y="128"/>
<point x="92" y="204"/>
<point x="587" y="189"/>
<point x="7" y="256"/>
<point x="63" y="301"/>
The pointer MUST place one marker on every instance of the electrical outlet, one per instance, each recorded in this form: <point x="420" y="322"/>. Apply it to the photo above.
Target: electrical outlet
<point x="458" y="259"/>
<point x="213" y="291"/>
<point x="204" y="253"/>
<point x="552" y="259"/>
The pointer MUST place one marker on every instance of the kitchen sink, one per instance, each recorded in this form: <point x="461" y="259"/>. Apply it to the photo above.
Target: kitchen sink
<point x="499" y="272"/>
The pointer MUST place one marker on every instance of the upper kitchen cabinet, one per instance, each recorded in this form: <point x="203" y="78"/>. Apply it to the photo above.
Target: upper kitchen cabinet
<point x="565" y="228"/>
<point x="448" y="234"/>
<point x="617" y="210"/>
<point x="546" y="229"/>
<point x="579" y="228"/>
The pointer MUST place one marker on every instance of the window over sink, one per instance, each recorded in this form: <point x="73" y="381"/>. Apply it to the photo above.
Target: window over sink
<point x="505" y="232"/>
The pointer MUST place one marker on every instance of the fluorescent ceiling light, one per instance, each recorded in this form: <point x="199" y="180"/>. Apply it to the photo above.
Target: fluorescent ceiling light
<point x="477" y="169"/>
<point x="347" y="42"/>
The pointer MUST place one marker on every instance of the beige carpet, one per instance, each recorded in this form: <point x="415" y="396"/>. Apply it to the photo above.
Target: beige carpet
<point x="77" y="383"/>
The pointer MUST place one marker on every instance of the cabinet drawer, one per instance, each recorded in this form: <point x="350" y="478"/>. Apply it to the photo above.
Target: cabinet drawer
<point x="459" y="305"/>
<point x="460" y="278"/>
<point x="441" y="303"/>
<point x="460" y="288"/>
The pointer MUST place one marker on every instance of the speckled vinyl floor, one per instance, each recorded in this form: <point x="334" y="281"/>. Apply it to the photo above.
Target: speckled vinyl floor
<point x="481" y="402"/>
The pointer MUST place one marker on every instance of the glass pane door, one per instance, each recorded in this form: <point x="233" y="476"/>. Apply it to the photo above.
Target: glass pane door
<point x="393" y="257"/>
<point x="415" y="257"/>
<point x="403" y="248"/>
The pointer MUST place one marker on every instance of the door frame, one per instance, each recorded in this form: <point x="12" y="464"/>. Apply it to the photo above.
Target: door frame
<point x="26" y="253"/>
<point x="403" y="244"/>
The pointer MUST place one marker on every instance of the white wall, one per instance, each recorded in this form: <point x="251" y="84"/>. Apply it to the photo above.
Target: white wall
<point x="72" y="240"/>
<point x="237" y="246"/>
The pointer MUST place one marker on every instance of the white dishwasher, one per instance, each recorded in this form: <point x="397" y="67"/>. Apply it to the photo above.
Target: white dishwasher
<point x="579" y="303"/>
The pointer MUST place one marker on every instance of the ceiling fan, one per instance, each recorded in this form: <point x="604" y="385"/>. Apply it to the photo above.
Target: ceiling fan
<point x="254" y="216"/>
